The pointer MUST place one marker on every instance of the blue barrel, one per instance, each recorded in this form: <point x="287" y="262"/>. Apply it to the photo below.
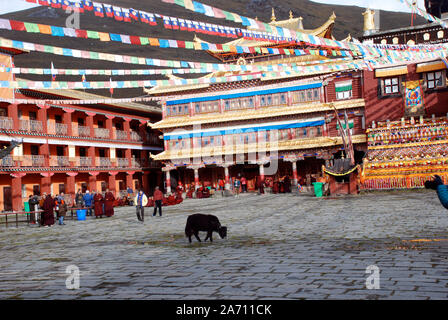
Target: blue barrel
<point x="81" y="214"/>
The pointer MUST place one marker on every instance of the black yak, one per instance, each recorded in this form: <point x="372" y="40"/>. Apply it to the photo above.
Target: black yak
<point x="204" y="222"/>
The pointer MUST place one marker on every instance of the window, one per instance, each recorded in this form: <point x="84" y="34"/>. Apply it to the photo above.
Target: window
<point x="343" y="90"/>
<point x="391" y="85"/>
<point x="435" y="79"/>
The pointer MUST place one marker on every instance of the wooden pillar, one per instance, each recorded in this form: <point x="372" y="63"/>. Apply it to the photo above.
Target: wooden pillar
<point x="127" y="127"/>
<point x="128" y="156"/>
<point x="145" y="182"/>
<point x="109" y="126"/>
<point x="13" y="113"/>
<point x="16" y="191"/>
<point x="168" y="182"/>
<point x="45" y="183"/>
<point x="227" y="178"/>
<point x="112" y="182"/>
<point x="295" y="177"/>
<point x="91" y="154"/>
<point x="43" y="117"/>
<point x="89" y="123"/>
<point x="130" y="180"/>
<point x="44" y="150"/>
<point x="67" y="120"/>
<point x="70" y="186"/>
<point x="92" y="181"/>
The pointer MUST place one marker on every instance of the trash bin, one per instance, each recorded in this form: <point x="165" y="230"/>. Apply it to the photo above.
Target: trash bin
<point x="26" y="205"/>
<point x="318" y="189"/>
<point x="81" y="214"/>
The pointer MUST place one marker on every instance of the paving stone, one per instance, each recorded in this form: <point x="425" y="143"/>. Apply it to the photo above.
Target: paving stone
<point x="278" y="247"/>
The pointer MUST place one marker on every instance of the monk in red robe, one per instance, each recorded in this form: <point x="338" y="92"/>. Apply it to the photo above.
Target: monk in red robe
<point x="48" y="216"/>
<point x="109" y="203"/>
<point x="98" y="205"/>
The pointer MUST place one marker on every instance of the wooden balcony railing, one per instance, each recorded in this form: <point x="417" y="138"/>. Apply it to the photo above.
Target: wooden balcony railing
<point x="6" y="123"/>
<point x="59" y="161"/>
<point x="83" y="162"/>
<point x="33" y="161"/>
<point x="103" y="162"/>
<point x="122" y="163"/>
<point x="135" y="136"/>
<point x="57" y="128"/>
<point x="102" y="133"/>
<point x="82" y="131"/>
<point x="31" y="126"/>
<point x="121" y="135"/>
<point x="7" y="162"/>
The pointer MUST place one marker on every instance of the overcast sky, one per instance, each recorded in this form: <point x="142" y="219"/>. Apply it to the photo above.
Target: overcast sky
<point x="391" y="5"/>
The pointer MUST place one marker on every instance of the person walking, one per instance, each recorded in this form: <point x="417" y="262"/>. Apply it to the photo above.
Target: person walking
<point x="158" y="197"/>
<point x="62" y="211"/>
<point x="98" y="204"/>
<point x="140" y="200"/>
<point x="88" y="202"/>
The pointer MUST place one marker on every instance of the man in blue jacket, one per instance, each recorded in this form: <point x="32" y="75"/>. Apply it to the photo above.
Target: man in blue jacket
<point x="88" y="202"/>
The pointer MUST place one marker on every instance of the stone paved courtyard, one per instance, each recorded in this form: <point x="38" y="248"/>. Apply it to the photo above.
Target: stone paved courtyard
<point x="278" y="247"/>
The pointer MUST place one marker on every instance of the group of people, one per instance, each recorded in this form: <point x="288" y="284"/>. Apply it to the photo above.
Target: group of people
<point x="93" y="202"/>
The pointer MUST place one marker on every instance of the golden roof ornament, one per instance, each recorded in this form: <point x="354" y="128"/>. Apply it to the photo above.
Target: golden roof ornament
<point x="369" y="20"/>
<point x="273" y="18"/>
<point x="290" y="15"/>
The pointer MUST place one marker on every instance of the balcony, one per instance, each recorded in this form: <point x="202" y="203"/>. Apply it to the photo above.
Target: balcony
<point x="121" y="135"/>
<point x="138" y="163"/>
<point x="82" y="131"/>
<point x="7" y="162"/>
<point x="135" y="136"/>
<point x="59" y="161"/>
<point x="83" y="162"/>
<point x="31" y="126"/>
<point x="102" y="133"/>
<point x="122" y="163"/>
<point x="33" y="161"/>
<point x="103" y="162"/>
<point x="6" y="123"/>
<point x="57" y="129"/>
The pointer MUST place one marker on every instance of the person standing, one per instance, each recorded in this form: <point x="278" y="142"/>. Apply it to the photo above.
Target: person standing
<point x="140" y="200"/>
<point x="237" y="185"/>
<point x="244" y="184"/>
<point x="79" y="199"/>
<point x="109" y="203"/>
<point x="33" y="202"/>
<point x="88" y="202"/>
<point x="260" y="185"/>
<point x="98" y="204"/>
<point x="41" y="207"/>
<point x="158" y="197"/>
<point x="48" y="219"/>
<point x="62" y="211"/>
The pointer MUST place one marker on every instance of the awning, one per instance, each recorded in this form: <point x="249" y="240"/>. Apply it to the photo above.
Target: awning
<point x="394" y="71"/>
<point x="430" y="66"/>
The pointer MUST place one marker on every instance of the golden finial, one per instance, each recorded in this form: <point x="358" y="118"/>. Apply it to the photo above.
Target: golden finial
<point x="273" y="18"/>
<point x="256" y="18"/>
<point x="290" y="15"/>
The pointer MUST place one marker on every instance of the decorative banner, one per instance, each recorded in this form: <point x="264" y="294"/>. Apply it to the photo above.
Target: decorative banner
<point x="127" y="72"/>
<point x="413" y="105"/>
<point x="156" y="42"/>
<point x="423" y="13"/>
